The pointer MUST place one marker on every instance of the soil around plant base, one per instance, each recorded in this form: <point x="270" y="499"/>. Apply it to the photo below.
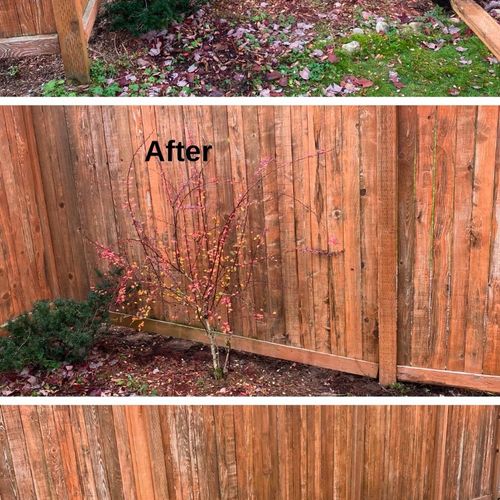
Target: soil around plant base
<point x="127" y="363"/>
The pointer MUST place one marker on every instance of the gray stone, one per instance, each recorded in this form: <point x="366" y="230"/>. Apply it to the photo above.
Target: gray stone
<point x="415" y="26"/>
<point x="358" y="31"/>
<point x="351" y="47"/>
<point x="381" y="27"/>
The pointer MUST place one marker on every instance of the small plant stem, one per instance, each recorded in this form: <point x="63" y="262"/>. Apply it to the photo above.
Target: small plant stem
<point x="214" y="349"/>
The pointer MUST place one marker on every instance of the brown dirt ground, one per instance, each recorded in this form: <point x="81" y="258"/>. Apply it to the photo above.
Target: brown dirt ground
<point x="24" y="77"/>
<point x="127" y="363"/>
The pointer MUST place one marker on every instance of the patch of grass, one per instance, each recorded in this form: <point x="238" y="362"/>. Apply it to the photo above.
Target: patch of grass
<point x="56" y="88"/>
<point x="102" y="84"/>
<point x="400" y="388"/>
<point x="423" y="71"/>
<point x="13" y="71"/>
<point x="137" y="386"/>
<point x="101" y="75"/>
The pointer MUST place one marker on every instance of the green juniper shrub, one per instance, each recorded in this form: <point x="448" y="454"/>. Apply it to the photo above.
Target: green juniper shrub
<point x="141" y="16"/>
<point x="55" y="333"/>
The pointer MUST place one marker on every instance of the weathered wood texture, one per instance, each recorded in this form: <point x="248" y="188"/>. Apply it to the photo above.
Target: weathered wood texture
<point x="479" y="21"/>
<point x="72" y="39"/>
<point x="85" y="153"/>
<point x="32" y="17"/>
<point x="27" y="266"/>
<point x="443" y="290"/>
<point x="449" y="219"/>
<point x="26" y="17"/>
<point x="24" y="46"/>
<point x="35" y="27"/>
<point x="265" y="452"/>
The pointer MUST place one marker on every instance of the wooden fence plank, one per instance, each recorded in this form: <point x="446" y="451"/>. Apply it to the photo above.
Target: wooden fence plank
<point x="369" y="227"/>
<point x="496" y="473"/>
<point x="335" y="188"/>
<point x="479" y="21"/>
<point x="462" y="213"/>
<point x="123" y="452"/>
<point x="301" y="151"/>
<point x="66" y="443"/>
<point x="283" y="139"/>
<point x="442" y="242"/>
<point x="476" y="381"/>
<point x="8" y="483"/>
<point x="35" y="451"/>
<point x="274" y="320"/>
<point x="491" y="362"/>
<point x="481" y="234"/>
<point x="424" y="210"/>
<point x="407" y="147"/>
<point x="83" y="456"/>
<point x="19" y="452"/>
<point x="25" y="46"/>
<point x="26" y="18"/>
<point x="9" y="20"/>
<point x="109" y="442"/>
<point x="89" y="17"/>
<point x="352" y="256"/>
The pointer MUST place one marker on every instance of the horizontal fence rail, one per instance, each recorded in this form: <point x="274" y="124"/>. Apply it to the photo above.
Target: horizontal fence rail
<point x="410" y="288"/>
<point x="265" y="452"/>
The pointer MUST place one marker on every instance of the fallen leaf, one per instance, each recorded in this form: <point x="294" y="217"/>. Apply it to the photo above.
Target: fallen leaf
<point x="304" y="74"/>
<point x="394" y="79"/>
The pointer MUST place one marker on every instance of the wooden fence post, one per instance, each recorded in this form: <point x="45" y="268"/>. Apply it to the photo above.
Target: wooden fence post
<point x="72" y="39"/>
<point x="387" y="165"/>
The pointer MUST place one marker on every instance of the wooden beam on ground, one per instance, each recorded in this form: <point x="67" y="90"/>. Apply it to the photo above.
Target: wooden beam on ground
<point x="254" y="346"/>
<point x="480" y="22"/>
<point x="387" y="242"/>
<point x="72" y="39"/>
<point x="24" y="46"/>
<point x="475" y="381"/>
<point x="89" y="16"/>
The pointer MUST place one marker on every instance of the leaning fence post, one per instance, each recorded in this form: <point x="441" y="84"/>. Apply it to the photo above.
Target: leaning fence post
<point x="387" y="164"/>
<point x="72" y="39"/>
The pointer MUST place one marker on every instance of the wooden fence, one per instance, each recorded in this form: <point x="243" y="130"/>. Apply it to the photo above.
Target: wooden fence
<point x="423" y="306"/>
<point x="35" y="27"/>
<point x="264" y="452"/>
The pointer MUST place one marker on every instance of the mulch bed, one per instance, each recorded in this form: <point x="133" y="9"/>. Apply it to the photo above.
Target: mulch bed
<point x="127" y="363"/>
<point x="225" y="59"/>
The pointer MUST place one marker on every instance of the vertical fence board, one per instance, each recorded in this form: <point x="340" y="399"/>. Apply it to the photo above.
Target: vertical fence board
<point x="481" y="233"/>
<point x="352" y="261"/>
<point x="424" y="193"/>
<point x="464" y="172"/>
<point x="18" y="452"/>
<point x="369" y="226"/>
<point x="8" y="486"/>
<point x="36" y="452"/>
<point x="442" y="241"/>
<point x="492" y="351"/>
<point x="407" y="147"/>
